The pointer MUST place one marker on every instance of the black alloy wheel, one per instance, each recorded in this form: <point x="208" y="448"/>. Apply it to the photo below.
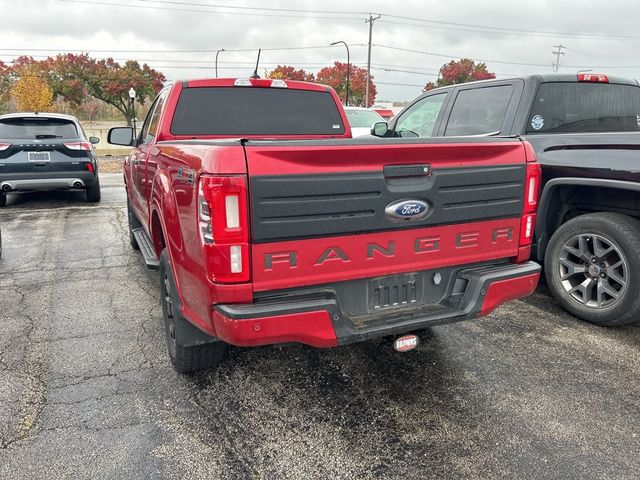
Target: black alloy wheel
<point x="592" y="267"/>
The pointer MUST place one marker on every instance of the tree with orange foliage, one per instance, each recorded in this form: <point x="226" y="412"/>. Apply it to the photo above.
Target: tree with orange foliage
<point x="335" y="77"/>
<point x="463" y="71"/>
<point x="31" y="92"/>
<point x="286" y="72"/>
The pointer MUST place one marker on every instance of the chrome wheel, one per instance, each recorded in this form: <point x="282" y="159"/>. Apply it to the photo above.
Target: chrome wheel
<point x="593" y="271"/>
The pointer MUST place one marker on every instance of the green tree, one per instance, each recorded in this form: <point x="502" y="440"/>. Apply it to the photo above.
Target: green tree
<point x="462" y="71"/>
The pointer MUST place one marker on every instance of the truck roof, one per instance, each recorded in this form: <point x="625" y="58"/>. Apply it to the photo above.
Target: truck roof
<point x="255" y="82"/>
<point x="60" y="116"/>
<point x="547" y="78"/>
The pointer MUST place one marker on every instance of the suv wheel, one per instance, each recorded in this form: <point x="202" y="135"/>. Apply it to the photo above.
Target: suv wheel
<point x="185" y="359"/>
<point x="592" y="266"/>
<point x="93" y="193"/>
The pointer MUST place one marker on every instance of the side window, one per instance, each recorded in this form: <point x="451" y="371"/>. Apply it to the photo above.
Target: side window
<point x="150" y="126"/>
<point x="479" y="111"/>
<point x="420" y="119"/>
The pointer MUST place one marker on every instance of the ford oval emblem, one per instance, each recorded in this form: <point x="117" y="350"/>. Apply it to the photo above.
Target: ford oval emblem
<point x="408" y="210"/>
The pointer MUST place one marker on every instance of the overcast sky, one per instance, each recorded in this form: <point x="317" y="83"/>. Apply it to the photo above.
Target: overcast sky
<point x="180" y="37"/>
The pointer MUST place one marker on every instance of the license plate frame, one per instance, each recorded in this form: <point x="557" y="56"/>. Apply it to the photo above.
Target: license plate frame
<point x="38" y="157"/>
<point x="393" y="292"/>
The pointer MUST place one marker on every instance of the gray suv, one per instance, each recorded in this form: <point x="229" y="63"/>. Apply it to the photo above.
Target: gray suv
<point x="46" y="151"/>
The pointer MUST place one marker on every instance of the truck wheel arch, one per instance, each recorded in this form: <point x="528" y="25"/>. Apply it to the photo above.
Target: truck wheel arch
<point x="547" y="222"/>
<point x="163" y="206"/>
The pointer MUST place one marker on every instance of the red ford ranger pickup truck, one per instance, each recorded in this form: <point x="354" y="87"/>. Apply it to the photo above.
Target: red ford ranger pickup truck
<point x="270" y="225"/>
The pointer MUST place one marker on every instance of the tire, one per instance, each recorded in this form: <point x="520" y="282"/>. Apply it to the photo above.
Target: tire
<point x="185" y="359"/>
<point x="592" y="267"/>
<point x="93" y="193"/>
<point x="3" y="199"/>
<point x="133" y="224"/>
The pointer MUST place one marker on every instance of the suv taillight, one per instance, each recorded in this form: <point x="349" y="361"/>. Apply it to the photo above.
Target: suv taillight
<point x="4" y="146"/>
<point x="223" y="227"/>
<point x="86" y="146"/>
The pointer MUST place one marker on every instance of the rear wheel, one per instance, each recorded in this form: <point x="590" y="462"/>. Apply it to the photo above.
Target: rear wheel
<point x="592" y="266"/>
<point x="185" y="359"/>
<point x="93" y="193"/>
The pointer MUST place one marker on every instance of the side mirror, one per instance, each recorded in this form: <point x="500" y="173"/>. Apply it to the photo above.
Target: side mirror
<point x="94" y="140"/>
<point x="120" y="136"/>
<point x="379" y="129"/>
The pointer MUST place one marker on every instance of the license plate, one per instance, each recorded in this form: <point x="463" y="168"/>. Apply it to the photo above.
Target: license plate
<point x="392" y="292"/>
<point x="39" y="156"/>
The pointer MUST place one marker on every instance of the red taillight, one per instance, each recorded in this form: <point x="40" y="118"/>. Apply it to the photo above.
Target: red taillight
<point x="593" y="77"/>
<point x="4" y="146"/>
<point x="531" y="190"/>
<point x="223" y="227"/>
<point x="260" y="82"/>
<point x="90" y="167"/>
<point x="527" y="227"/>
<point x="86" y="146"/>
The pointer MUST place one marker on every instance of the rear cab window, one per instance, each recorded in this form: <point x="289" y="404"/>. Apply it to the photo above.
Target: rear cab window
<point x="238" y="111"/>
<point x="479" y="111"/>
<point x="576" y="107"/>
<point x="37" y="128"/>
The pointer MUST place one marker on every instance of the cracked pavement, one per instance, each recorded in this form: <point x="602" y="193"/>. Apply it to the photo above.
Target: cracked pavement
<point x="87" y="391"/>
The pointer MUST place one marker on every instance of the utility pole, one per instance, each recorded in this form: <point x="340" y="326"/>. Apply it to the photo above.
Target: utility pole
<point x="370" y="22"/>
<point x="557" y="53"/>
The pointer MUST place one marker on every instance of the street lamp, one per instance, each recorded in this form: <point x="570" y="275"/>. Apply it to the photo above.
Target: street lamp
<point x="217" y="53"/>
<point x="348" y="64"/>
<point x="132" y="96"/>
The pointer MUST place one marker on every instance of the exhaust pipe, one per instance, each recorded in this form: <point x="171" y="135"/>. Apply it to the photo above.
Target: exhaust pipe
<point x="77" y="185"/>
<point x="6" y="187"/>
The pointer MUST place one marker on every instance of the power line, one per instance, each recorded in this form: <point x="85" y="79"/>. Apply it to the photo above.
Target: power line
<point x="209" y="5"/>
<point x="344" y="15"/>
<point x="446" y="55"/>
<point x="191" y="10"/>
<point x="400" y="84"/>
<point x="509" y="29"/>
<point x="273" y="49"/>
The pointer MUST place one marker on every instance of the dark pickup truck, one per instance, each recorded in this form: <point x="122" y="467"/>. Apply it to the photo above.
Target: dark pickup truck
<point x="270" y="225"/>
<point x="584" y="131"/>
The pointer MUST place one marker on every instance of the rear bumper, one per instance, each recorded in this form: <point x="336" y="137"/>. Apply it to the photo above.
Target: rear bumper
<point x="51" y="181"/>
<point x="318" y="318"/>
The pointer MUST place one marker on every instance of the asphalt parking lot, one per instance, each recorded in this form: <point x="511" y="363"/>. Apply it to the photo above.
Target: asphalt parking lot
<point x="87" y="391"/>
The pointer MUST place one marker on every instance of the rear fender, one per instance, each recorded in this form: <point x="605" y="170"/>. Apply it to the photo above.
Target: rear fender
<point x="549" y="204"/>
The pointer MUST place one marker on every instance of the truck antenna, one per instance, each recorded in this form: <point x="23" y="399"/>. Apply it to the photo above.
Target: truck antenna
<point x="255" y="72"/>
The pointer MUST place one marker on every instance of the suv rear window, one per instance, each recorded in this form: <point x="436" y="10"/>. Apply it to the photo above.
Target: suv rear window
<point x="585" y="107"/>
<point x="255" y="111"/>
<point x="27" y="128"/>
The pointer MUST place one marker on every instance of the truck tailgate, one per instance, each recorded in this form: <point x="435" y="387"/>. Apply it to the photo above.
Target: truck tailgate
<point x="332" y="211"/>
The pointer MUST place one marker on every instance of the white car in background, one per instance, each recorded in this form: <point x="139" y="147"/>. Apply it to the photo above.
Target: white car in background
<point x="361" y="120"/>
